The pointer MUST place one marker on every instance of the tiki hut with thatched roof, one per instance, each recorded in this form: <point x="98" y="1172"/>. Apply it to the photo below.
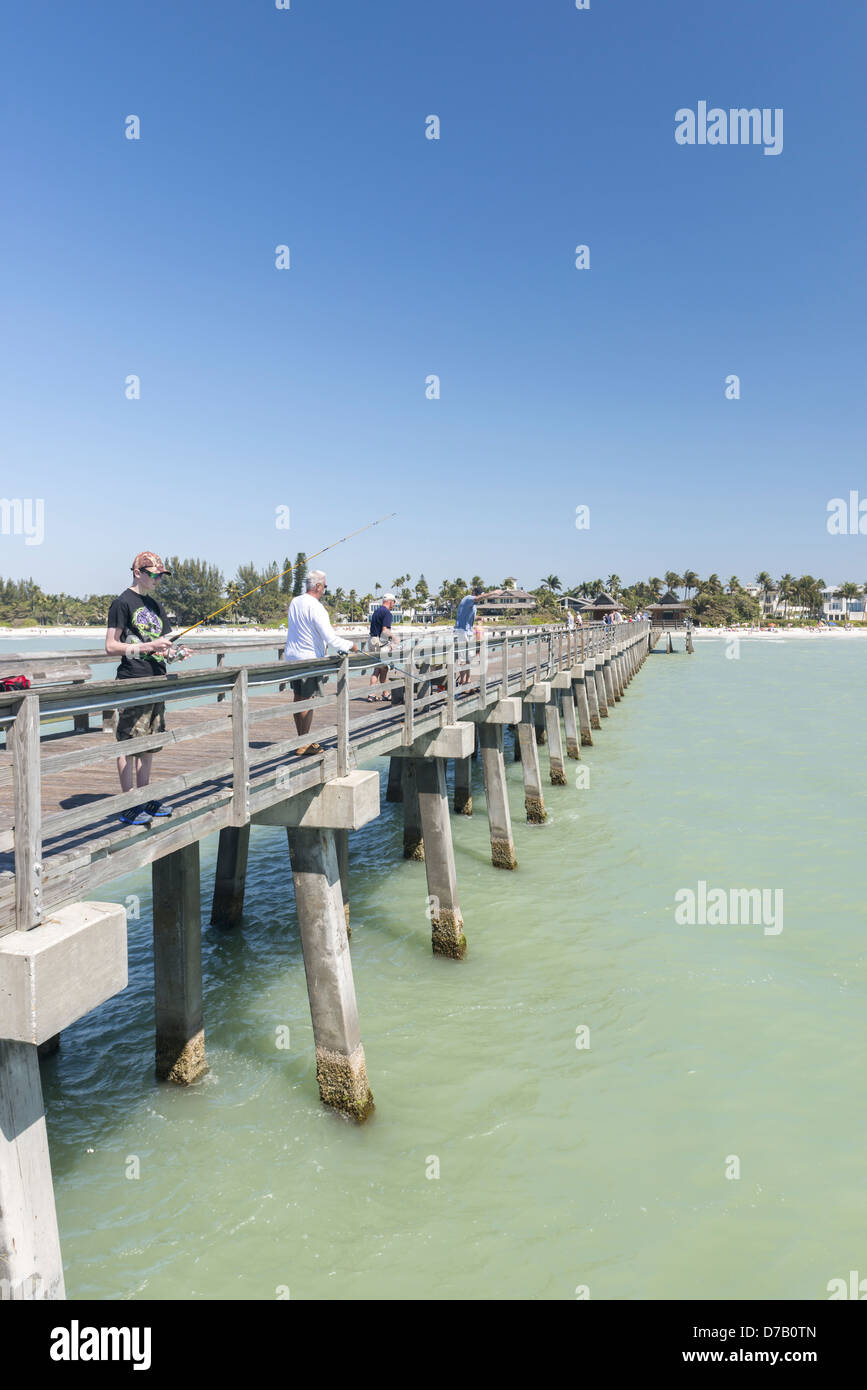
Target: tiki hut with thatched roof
<point x="601" y="606"/>
<point x="667" y="612"/>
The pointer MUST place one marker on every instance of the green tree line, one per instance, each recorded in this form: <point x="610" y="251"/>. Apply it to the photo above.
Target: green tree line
<point x="197" y="588"/>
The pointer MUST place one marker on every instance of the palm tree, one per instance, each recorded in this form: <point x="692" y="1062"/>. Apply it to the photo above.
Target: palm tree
<point x="734" y="584"/>
<point x="766" y="584"/>
<point x="613" y="584"/>
<point x="353" y="600"/>
<point x="552" y="583"/>
<point x="509" y="582"/>
<point x="672" y="581"/>
<point x="655" y="587"/>
<point x="477" y="582"/>
<point x="689" y="580"/>
<point x="786" y="590"/>
<point x="848" y="591"/>
<point x="233" y="594"/>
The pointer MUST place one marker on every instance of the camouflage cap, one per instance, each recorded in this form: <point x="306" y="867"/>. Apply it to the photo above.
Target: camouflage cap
<point x="149" y="560"/>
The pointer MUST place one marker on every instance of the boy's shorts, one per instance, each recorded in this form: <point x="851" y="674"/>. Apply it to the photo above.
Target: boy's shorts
<point x="138" y="721"/>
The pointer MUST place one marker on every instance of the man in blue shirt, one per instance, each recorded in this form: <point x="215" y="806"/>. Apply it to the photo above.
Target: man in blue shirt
<point x="380" y="635"/>
<point x="464" y="624"/>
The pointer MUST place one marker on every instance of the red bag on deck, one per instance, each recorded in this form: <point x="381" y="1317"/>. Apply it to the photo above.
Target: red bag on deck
<point x="14" y="683"/>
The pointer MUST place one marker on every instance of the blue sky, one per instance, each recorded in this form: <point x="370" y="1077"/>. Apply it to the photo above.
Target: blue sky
<point x="306" y="387"/>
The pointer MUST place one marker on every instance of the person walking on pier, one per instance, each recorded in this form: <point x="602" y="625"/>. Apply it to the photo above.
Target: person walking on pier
<point x="464" y="624"/>
<point x="137" y="624"/>
<point x="310" y="632"/>
<point x="380" y="620"/>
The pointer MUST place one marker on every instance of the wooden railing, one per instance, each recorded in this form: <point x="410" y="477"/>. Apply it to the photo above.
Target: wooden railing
<point x="62" y="856"/>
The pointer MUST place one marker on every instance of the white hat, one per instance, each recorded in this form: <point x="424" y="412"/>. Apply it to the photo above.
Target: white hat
<point x="386" y="597"/>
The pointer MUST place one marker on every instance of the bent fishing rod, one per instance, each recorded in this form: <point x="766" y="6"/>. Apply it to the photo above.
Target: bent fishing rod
<point x="274" y="577"/>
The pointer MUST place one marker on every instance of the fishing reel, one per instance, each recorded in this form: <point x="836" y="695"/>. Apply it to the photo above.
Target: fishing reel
<point x="178" y="653"/>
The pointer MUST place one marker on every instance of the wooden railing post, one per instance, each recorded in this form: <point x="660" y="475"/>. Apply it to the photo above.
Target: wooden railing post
<point x="483" y="669"/>
<point x="240" y="750"/>
<point x="343" y="717"/>
<point x="451" y="709"/>
<point x="221" y="657"/>
<point x="525" y="642"/>
<point x="28" y="814"/>
<point x="504" y="659"/>
<point x="408" y="697"/>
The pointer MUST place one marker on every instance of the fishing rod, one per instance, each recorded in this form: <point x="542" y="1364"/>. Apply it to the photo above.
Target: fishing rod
<point x="315" y="556"/>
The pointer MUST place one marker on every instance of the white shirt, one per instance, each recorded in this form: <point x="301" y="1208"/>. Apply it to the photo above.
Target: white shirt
<point x="310" y="630"/>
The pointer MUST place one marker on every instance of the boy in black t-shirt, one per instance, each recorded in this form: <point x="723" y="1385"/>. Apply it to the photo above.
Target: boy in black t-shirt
<point x="137" y="623"/>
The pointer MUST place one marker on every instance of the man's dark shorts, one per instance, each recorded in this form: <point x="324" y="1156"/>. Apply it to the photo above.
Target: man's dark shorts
<point x="138" y="721"/>
<point x="307" y="687"/>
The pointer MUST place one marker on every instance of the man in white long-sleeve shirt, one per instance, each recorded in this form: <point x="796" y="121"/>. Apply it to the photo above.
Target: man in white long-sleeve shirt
<point x="310" y="633"/>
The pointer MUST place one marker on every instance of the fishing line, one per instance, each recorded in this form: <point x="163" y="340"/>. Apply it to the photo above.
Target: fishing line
<point x="274" y="577"/>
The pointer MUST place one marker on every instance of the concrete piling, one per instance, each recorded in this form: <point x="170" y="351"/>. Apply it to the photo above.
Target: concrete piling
<point x="582" y="706"/>
<point x="592" y="693"/>
<point x="341" y="1070"/>
<point x="556" y="764"/>
<point x="516" y="746"/>
<point x="538" y="717"/>
<point x="31" y="1266"/>
<point x="533" y="799"/>
<point x="601" y="693"/>
<point x="180" y="1036"/>
<point x="570" y="721"/>
<point x="395" y="785"/>
<point x="447" y="923"/>
<point x="463" y="786"/>
<point x="341" y="842"/>
<point x="227" y="907"/>
<point x="611" y="696"/>
<point x="497" y="797"/>
<point x="413" y="841"/>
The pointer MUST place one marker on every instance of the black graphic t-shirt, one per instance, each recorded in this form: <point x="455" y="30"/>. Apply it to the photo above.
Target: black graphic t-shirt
<point x="141" y="618"/>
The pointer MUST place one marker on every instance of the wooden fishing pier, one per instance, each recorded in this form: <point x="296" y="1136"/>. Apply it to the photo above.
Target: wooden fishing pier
<point x="229" y="759"/>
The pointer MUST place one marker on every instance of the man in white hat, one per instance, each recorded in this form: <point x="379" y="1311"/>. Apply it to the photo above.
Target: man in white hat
<point x="310" y="632"/>
<point x="380" y="623"/>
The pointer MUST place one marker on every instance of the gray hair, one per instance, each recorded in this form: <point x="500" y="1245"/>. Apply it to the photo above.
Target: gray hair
<point x="314" y="579"/>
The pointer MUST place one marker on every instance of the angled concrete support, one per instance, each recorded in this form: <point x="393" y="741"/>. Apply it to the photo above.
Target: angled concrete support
<point x="341" y="1071"/>
<point x="533" y="799"/>
<point x="180" y="1033"/>
<point x="447" y="923"/>
<point x="497" y="797"/>
<point x="227" y="907"/>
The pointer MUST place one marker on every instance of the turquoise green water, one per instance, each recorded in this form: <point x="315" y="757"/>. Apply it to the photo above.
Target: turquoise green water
<point x="558" y="1167"/>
